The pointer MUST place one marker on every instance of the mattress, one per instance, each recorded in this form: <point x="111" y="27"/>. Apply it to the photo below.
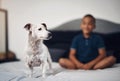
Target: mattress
<point x="17" y="71"/>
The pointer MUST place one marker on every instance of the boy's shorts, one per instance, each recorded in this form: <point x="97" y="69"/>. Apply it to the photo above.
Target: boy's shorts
<point x="110" y="53"/>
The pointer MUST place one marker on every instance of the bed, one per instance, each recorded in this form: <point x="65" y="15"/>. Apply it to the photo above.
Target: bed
<point x="59" y="47"/>
<point x="16" y="71"/>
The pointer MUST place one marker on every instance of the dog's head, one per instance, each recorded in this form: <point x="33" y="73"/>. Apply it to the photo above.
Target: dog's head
<point x="38" y="31"/>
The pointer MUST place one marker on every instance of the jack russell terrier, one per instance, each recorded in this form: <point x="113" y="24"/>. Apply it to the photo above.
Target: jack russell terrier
<point x="36" y="52"/>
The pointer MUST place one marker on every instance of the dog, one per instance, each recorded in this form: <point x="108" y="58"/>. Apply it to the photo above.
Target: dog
<point x="37" y="53"/>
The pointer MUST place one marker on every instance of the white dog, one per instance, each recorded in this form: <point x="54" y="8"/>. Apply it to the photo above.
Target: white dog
<point x="36" y="52"/>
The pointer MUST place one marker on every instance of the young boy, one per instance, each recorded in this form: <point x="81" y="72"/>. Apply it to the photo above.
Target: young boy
<point x="87" y="49"/>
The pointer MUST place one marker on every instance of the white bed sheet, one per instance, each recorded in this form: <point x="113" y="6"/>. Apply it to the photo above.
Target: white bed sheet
<point x="17" y="71"/>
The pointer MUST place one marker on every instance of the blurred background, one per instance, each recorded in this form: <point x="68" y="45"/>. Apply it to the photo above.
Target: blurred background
<point x="54" y="13"/>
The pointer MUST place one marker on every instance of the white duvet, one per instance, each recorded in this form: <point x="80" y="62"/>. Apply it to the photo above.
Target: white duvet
<point x="16" y="71"/>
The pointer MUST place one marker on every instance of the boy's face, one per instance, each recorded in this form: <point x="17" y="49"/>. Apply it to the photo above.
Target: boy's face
<point x="87" y="25"/>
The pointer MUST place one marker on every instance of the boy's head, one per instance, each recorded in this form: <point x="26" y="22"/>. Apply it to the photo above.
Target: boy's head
<point x="88" y="23"/>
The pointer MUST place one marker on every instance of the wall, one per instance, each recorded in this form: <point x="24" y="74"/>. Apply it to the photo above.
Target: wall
<point x="0" y="3"/>
<point x="54" y="13"/>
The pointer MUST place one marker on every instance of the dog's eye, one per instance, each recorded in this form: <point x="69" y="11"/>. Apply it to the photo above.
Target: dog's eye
<point x="40" y="29"/>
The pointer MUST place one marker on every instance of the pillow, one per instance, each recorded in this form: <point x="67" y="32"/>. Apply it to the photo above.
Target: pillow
<point x="110" y="52"/>
<point x="56" y="54"/>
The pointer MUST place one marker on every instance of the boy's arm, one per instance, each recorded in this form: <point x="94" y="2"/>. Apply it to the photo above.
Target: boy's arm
<point x="102" y="54"/>
<point x="74" y="60"/>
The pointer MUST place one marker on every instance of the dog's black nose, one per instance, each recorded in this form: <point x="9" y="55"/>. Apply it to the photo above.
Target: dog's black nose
<point x="50" y="34"/>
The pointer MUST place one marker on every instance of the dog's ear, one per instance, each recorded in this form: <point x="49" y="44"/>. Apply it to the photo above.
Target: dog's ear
<point x="44" y="25"/>
<point x="27" y="26"/>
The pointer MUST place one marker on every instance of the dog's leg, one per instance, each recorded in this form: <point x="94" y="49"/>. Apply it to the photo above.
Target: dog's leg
<point x="29" y="65"/>
<point x="44" y="69"/>
<point x="49" y="61"/>
<point x="31" y="71"/>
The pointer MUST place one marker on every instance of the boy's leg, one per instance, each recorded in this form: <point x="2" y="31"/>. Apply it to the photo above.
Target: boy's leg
<point x="66" y="63"/>
<point x="106" y="62"/>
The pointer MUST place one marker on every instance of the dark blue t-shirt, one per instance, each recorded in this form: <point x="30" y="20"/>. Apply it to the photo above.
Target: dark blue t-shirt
<point x="87" y="48"/>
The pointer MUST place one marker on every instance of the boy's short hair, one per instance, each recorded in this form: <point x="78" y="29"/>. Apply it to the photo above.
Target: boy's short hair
<point x="91" y="16"/>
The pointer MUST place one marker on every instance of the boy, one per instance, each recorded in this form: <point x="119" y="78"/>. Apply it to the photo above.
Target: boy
<point x="87" y="49"/>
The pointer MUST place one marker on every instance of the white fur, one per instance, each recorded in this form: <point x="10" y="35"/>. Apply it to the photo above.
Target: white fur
<point x="36" y="52"/>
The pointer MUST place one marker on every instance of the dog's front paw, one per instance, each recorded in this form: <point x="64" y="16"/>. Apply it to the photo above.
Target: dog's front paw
<point x="44" y="76"/>
<point x="30" y="76"/>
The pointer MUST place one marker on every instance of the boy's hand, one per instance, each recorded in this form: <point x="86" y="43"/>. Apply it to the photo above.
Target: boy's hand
<point x="87" y="66"/>
<point x="79" y="66"/>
